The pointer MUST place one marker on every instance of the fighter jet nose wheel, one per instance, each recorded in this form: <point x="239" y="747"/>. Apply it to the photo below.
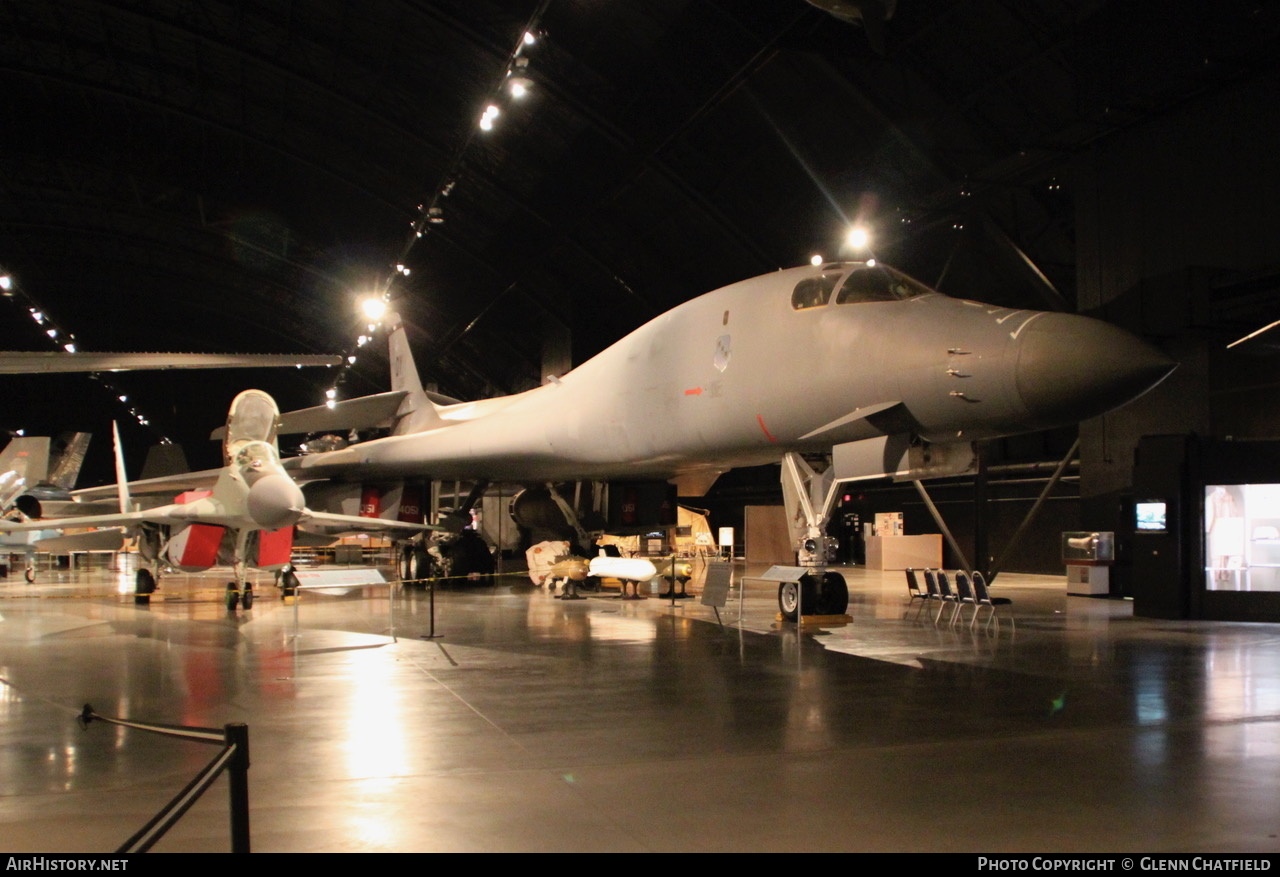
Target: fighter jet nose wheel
<point x="233" y="596"/>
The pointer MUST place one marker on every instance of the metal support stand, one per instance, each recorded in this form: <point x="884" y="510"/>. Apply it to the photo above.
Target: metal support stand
<point x="1026" y="521"/>
<point x="942" y="525"/>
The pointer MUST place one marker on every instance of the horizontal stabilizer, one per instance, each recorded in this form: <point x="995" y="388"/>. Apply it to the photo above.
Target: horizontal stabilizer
<point x="363" y="412"/>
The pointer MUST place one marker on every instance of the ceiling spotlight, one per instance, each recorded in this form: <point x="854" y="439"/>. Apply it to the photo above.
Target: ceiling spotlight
<point x="331" y="394"/>
<point x="362" y="341"/>
<point x="858" y="238"/>
<point x="331" y="404"/>
<point x="815" y="260"/>
<point x="6" y="282"/>
<point x="486" y="124"/>
<point x="123" y="398"/>
<point x="373" y="307"/>
<point x="529" y="38"/>
<point x="518" y="80"/>
<point x="435" y="215"/>
<point x="69" y="348"/>
<point x="351" y="360"/>
<point x="52" y="333"/>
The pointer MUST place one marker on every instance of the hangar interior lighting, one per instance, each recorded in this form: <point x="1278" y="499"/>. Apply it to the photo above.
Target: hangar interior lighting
<point x="858" y="238"/>
<point x="515" y="84"/>
<point x="816" y="259"/>
<point x="65" y="341"/>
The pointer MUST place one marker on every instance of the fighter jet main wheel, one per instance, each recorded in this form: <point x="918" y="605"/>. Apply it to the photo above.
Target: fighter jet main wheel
<point x="246" y="599"/>
<point x="144" y="584"/>
<point x="404" y="564"/>
<point x="29" y="574"/>
<point x="419" y="566"/>
<point x="835" y="595"/>
<point x="233" y="597"/>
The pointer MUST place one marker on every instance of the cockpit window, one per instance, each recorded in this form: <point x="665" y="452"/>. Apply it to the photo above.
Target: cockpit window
<point x="813" y="292"/>
<point x="878" y="283"/>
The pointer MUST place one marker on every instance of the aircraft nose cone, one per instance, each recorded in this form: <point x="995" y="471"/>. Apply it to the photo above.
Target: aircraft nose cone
<point x="275" y="501"/>
<point x="1071" y="368"/>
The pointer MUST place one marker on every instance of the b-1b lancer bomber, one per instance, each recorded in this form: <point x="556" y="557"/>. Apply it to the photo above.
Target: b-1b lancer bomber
<point x="856" y="360"/>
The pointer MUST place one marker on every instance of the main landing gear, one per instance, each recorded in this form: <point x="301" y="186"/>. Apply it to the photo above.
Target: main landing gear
<point x="144" y="585"/>
<point x="239" y="596"/>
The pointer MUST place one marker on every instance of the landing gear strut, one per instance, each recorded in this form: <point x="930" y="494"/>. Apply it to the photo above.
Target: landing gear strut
<point x="809" y="497"/>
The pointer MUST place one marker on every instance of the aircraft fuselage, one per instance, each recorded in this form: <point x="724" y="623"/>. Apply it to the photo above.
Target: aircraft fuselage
<point x="741" y="375"/>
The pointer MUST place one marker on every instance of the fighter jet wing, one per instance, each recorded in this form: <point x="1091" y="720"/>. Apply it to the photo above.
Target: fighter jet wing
<point x="94" y="540"/>
<point x="122" y="519"/>
<point x="356" y="522"/>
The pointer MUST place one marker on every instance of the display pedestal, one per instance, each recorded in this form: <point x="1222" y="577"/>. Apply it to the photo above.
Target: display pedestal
<point x="1088" y="580"/>
<point x="900" y="552"/>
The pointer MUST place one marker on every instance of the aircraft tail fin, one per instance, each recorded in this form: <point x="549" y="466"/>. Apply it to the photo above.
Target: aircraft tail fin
<point x="417" y="411"/>
<point x="122" y="481"/>
<point x="66" y="469"/>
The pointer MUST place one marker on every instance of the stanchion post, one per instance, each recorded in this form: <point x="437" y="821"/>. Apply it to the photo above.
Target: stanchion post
<point x="238" y="776"/>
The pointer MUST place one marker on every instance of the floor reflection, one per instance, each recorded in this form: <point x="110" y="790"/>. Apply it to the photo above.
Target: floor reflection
<point x="533" y="723"/>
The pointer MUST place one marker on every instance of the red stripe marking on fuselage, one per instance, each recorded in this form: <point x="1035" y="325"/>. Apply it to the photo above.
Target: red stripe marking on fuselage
<point x="765" y="429"/>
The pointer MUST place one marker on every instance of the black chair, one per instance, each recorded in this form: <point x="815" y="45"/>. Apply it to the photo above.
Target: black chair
<point x="984" y="598"/>
<point x="965" y="596"/>
<point x="913" y="586"/>
<point x="946" y="595"/>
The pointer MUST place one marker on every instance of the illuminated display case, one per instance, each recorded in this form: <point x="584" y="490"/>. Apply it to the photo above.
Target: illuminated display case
<point x="1242" y="537"/>
<point x="1088" y="557"/>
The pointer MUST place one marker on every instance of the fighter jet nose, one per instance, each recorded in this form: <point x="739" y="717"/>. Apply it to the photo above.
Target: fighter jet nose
<point x="275" y="501"/>
<point x="1071" y="368"/>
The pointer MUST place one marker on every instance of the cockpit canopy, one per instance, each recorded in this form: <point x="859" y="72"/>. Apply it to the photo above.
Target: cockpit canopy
<point x="857" y="282"/>
<point x="253" y="417"/>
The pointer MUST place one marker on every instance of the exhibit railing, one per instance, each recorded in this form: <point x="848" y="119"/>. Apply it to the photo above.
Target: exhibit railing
<point x="233" y="758"/>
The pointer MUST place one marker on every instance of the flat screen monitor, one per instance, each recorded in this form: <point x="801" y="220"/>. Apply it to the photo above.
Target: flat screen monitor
<point x="1151" y="516"/>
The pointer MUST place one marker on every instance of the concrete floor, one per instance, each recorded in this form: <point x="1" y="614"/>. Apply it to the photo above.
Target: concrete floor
<point x="537" y="724"/>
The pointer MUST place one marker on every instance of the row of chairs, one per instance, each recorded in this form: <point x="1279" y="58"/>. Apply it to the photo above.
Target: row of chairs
<point x="969" y="591"/>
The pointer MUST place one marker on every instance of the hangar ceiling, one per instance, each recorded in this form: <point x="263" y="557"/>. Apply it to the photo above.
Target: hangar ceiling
<point x="230" y="176"/>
